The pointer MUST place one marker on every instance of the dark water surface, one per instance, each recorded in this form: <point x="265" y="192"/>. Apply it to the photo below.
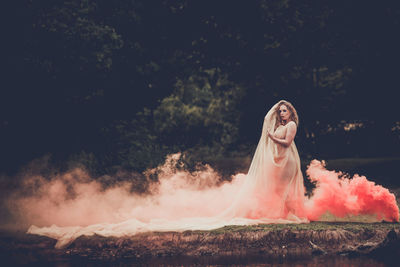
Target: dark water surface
<point x="257" y="260"/>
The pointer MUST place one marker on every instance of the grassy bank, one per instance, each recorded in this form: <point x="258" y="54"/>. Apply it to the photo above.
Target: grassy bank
<point x="314" y="226"/>
<point x="270" y="240"/>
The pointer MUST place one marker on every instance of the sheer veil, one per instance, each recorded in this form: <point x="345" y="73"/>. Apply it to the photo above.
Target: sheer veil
<point x="271" y="192"/>
<point x="265" y="194"/>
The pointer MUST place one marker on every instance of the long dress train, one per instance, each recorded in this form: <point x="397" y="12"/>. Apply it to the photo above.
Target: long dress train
<point x="272" y="192"/>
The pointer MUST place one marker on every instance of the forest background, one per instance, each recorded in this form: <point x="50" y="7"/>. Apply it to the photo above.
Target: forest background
<point x="115" y="86"/>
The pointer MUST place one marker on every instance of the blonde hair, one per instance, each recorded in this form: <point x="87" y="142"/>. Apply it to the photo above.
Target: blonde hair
<point x="293" y="113"/>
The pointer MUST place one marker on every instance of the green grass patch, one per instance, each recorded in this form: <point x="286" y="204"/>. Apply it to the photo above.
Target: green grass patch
<point x="314" y="226"/>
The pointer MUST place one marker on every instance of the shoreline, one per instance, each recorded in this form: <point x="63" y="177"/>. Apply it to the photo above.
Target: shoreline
<point x="270" y="241"/>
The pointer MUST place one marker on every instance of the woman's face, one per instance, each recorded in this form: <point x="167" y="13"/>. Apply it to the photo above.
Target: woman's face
<point x="284" y="113"/>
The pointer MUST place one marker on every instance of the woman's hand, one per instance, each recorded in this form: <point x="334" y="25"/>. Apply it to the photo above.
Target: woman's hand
<point x="290" y="134"/>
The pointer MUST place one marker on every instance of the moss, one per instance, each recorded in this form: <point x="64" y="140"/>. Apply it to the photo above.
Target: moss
<point x="315" y="226"/>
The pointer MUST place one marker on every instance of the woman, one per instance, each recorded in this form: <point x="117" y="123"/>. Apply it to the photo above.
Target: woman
<point x="286" y="159"/>
<point x="271" y="192"/>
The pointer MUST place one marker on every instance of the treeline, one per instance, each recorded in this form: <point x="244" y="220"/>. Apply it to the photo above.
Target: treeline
<point x="119" y="84"/>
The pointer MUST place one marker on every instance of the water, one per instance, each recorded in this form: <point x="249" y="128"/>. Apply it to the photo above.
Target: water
<point x="257" y="260"/>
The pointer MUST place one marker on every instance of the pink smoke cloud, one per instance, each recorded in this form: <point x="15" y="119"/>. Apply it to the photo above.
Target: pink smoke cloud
<point x="75" y="199"/>
<point x="344" y="197"/>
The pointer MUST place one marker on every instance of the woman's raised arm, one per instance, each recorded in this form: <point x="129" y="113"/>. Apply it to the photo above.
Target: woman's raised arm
<point x="290" y="134"/>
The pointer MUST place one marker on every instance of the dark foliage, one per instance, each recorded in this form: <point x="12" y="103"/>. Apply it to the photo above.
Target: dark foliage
<point x="119" y="84"/>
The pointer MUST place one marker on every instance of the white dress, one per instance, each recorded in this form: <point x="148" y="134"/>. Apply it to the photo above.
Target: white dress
<point x="271" y="192"/>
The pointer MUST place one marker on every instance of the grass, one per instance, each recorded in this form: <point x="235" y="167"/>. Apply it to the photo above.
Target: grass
<point x="382" y="170"/>
<point x="316" y="226"/>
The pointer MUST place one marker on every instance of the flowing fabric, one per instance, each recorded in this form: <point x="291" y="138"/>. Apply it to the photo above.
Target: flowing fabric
<point x="273" y="189"/>
<point x="272" y="192"/>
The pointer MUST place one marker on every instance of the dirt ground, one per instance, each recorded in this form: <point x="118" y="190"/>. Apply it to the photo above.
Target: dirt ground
<point x="381" y="240"/>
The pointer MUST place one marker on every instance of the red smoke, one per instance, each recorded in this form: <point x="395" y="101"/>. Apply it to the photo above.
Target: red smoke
<point x="346" y="198"/>
<point x="75" y="199"/>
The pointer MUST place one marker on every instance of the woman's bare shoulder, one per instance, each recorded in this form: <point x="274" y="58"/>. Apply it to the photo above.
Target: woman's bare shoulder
<point x="292" y="124"/>
<point x="291" y="127"/>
